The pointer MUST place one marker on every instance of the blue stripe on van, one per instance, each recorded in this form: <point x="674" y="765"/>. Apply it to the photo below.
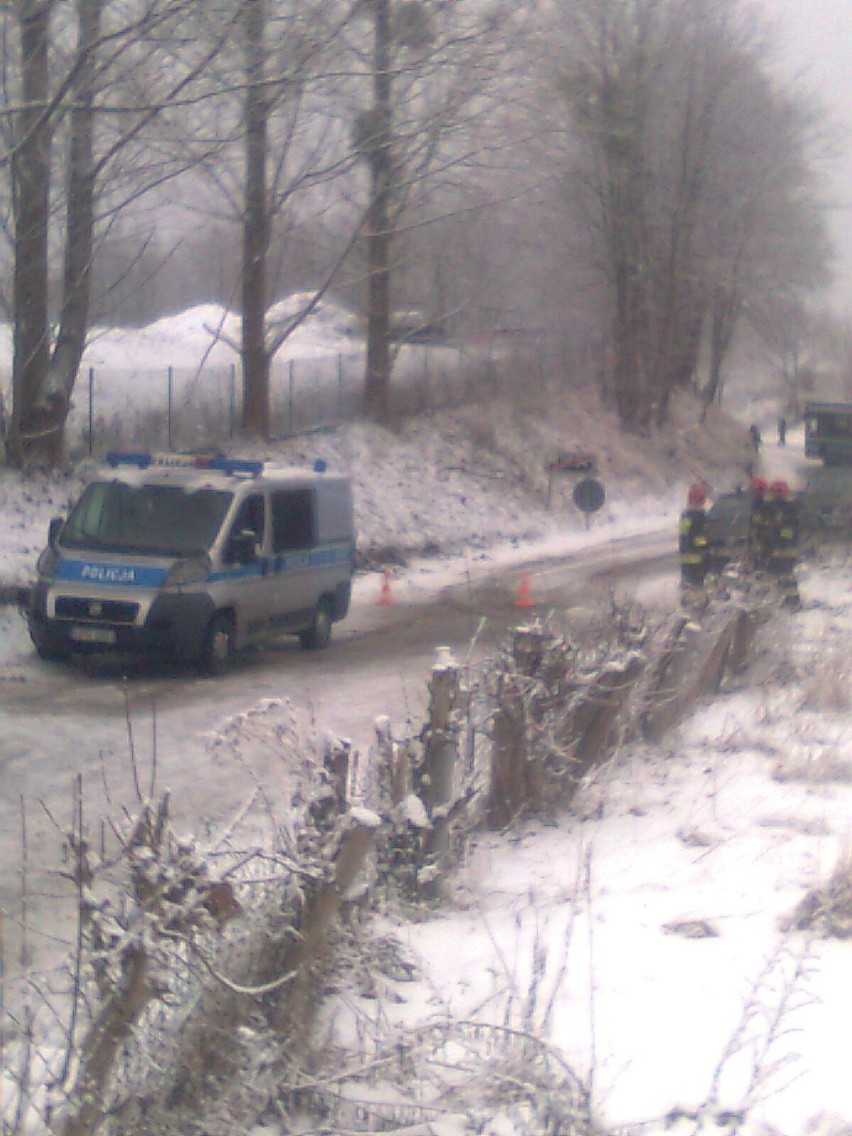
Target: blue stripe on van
<point x="240" y="571"/>
<point x="315" y="558"/>
<point x="287" y="562"/>
<point x="145" y="576"/>
<point x="103" y="572"/>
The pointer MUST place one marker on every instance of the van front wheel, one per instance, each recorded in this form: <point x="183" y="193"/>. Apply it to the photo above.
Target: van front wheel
<point x="318" y="635"/>
<point x="50" y="646"/>
<point x="217" y="650"/>
<point x="52" y="653"/>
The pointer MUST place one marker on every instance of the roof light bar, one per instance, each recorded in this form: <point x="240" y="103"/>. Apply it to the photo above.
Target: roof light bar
<point x="186" y="461"/>
<point x="115" y="458"/>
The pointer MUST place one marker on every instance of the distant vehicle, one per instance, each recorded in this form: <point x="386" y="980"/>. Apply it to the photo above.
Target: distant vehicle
<point x="828" y="432"/>
<point x="415" y="326"/>
<point x="727" y="528"/>
<point x="826" y="503"/>
<point x="194" y="558"/>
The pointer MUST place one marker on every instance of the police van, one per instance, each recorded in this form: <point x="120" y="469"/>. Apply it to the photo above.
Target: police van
<point x="195" y="558"/>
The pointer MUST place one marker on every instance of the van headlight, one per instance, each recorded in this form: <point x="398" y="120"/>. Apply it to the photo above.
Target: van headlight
<point x="46" y="563"/>
<point x="190" y="570"/>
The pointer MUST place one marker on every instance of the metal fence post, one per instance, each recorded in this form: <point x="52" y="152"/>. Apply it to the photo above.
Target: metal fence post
<point x="91" y="408"/>
<point x="170" y="382"/>
<point x="340" y="386"/>
<point x="290" y="377"/>
<point x="232" y="409"/>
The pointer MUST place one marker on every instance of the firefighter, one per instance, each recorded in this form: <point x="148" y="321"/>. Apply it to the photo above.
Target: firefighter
<point x="783" y="541"/>
<point x="693" y="541"/>
<point x="760" y="523"/>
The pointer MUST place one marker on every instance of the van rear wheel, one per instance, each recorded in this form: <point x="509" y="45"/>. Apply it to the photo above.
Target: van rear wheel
<point x="217" y="650"/>
<point x="318" y="635"/>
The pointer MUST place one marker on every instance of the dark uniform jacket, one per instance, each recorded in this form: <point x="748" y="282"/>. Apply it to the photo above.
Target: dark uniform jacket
<point x="693" y="545"/>
<point x="762" y="524"/>
<point x="783" y="533"/>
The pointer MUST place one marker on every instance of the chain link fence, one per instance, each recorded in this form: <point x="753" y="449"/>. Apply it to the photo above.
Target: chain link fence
<point x="199" y="408"/>
<point x="187" y="409"/>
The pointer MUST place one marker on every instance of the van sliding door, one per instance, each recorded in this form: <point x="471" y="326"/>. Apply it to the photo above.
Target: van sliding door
<point x="297" y="582"/>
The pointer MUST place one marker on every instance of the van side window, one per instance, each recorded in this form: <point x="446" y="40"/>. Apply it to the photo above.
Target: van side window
<point x="292" y="519"/>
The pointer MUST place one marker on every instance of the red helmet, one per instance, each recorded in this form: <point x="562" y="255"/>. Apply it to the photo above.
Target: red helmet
<point x="779" y="488"/>
<point x="758" y="486"/>
<point x="697" y="494"/>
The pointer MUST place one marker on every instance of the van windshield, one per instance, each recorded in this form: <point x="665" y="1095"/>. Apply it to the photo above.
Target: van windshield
<point x="163" y="520"/>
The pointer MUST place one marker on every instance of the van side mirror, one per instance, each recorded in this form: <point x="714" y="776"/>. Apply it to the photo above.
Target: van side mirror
<point x="54" y="528"/>
<point x="242" y="547"/>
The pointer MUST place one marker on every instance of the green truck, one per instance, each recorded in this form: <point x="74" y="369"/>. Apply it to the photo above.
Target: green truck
<point x="828" y="432"/>
<point x="826" y="500"/>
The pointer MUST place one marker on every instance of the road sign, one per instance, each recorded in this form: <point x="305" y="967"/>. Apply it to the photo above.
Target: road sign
<point x="571" y="461"/>
<point x="589" y="495"/>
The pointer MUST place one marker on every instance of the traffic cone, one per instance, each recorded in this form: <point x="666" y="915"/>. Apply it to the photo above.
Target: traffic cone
<point x="385" y="597"/>
<point x="524" y="596"/>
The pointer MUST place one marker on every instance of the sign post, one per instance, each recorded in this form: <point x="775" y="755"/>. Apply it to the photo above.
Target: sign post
<point x="568" y="462"/>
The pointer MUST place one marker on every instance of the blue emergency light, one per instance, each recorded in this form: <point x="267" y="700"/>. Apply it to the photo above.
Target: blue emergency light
<point x="115" y="458"/>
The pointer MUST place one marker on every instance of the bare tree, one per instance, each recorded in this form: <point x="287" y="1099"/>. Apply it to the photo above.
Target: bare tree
<point x="662" y="99"/>
<point x="303" y="72"/>
<point x="32" y="131"/>
<point x="770" y="246"/>
<point x="282" y="149"/>
<point x="79" y="240"/>
<point x="376" y="145"/>
<point x="79" y="66"/>
<point x="256" y="222"/>
<point x="431" y="72"/>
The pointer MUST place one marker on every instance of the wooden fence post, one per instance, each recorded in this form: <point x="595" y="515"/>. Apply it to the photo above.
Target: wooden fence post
<point x="441" y="746"/>
<point x="440" y="736"/>
<point x="694" y="665"/>
<point x="294" y="1012"/>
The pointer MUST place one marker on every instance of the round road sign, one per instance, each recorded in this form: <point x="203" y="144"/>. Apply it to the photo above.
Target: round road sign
<point x="589" y="495"/>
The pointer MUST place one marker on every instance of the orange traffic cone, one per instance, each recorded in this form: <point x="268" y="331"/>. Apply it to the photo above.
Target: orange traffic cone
<point x="385" y="597"/>
<point x="524" y="596"/>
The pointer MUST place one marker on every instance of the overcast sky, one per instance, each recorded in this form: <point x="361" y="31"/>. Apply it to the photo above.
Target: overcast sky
<point x="818" y="44"/>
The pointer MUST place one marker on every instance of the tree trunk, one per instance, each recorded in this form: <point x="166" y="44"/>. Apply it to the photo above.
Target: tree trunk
<point x="31" y="206"/>
<point x="724" y="315"/>
<point x="77" y="275"/>
<point x="377" y="394"/>
<point x="255" y="356"/>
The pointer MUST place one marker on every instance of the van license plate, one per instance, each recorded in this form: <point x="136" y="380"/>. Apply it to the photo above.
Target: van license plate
<point x="92" y="634"/>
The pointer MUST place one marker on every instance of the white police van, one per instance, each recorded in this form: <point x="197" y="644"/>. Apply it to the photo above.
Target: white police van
<point x="195" y="557"/>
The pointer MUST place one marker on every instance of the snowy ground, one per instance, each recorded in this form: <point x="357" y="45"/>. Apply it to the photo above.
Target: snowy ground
<point x="723" y="827"/>
<point x="652" y="918"/>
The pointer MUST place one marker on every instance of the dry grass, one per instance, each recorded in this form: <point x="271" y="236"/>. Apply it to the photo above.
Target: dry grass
<point x="825" y="768"/>
<point x="827" y="910"/>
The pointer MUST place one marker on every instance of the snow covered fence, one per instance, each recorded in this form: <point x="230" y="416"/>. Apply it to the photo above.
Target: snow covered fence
<point x="179" y="407"/>
<point x="178" y="945"/>
<point x="520" y="738"/>
<point x="200" y="949"/>
<point x="692" y="661"/>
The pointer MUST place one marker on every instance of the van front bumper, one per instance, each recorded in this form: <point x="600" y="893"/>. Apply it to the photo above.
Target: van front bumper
<point x="174" y="626"/>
